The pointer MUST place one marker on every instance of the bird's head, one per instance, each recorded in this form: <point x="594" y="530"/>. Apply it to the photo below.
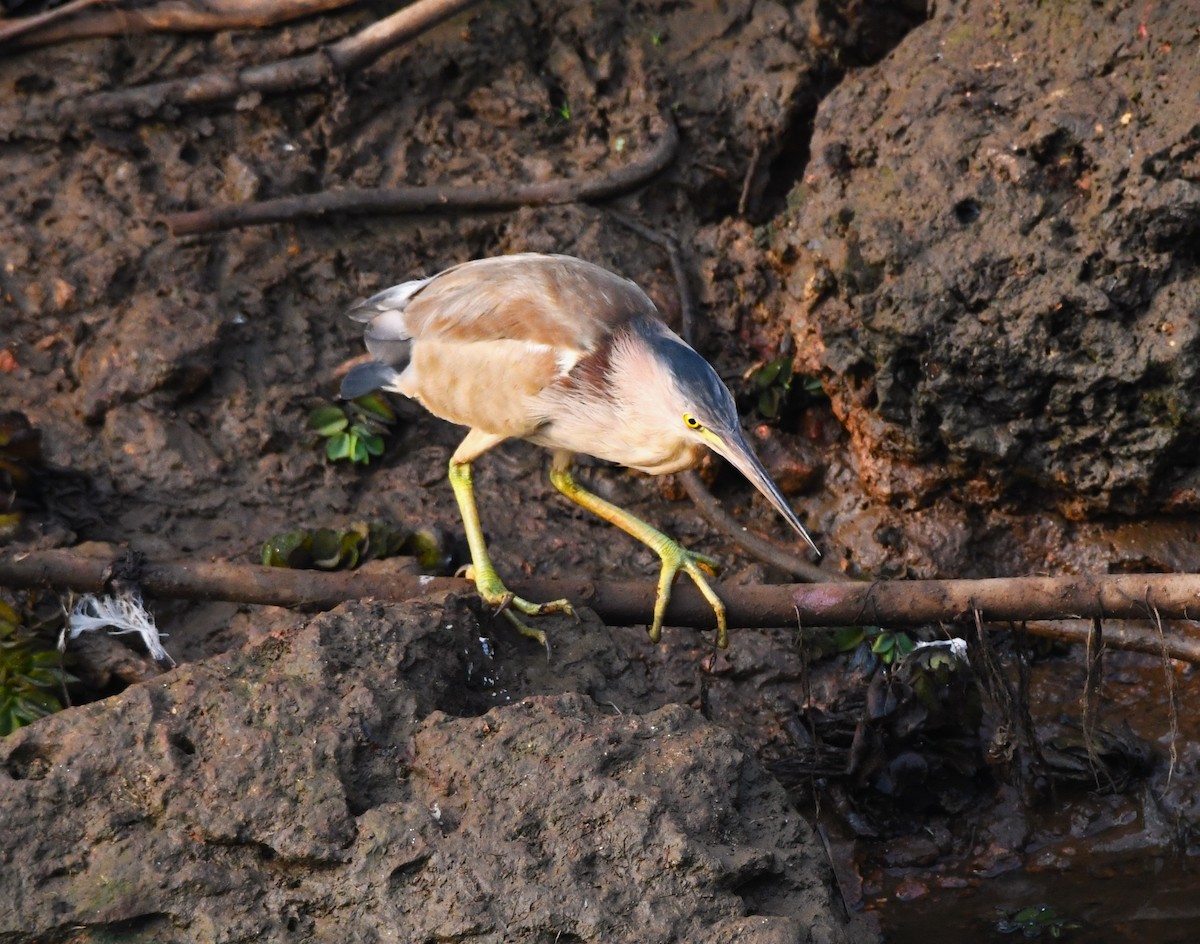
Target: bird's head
<point x="694" y="397"/>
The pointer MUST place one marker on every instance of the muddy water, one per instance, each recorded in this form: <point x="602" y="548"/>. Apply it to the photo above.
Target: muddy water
<point x="1110" y="867"/>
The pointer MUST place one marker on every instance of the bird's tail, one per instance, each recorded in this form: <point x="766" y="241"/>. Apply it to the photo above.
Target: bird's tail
<point x="363" y="378"/>
<point x="387" y="338"/>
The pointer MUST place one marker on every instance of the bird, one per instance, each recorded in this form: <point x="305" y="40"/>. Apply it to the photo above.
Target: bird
<point x="570" y="356"/>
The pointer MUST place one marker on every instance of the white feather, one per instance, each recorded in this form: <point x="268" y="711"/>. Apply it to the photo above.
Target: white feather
<point x="121" y="614"/>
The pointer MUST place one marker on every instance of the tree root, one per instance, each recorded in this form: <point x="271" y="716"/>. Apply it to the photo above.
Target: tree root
<point x="324" y="66"/>
<point x="75" y="20"/>
<point x="1070" y="600"/>
<point x="502" y="195"/>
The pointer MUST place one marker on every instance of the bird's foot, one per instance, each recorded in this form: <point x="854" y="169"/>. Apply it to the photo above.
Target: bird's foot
<point x="675" y="557"/>
<point x="493" y="592"/>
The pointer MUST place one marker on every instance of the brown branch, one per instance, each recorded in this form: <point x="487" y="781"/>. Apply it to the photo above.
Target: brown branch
<point x="683" y="285"/>
<point x="57" y="26"/>
<point x="397" y="200"/>
<point x="19" y="26"/>
<point x="284" y="75"/>
<point x="901" y="602"/>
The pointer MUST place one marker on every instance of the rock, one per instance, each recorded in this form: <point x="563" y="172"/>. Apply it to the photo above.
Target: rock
<point x="375" y="774"/>
<point x="1006" y="258"/>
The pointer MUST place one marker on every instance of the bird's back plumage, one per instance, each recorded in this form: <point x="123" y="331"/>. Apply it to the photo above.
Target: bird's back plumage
<point x="478" y="343"/>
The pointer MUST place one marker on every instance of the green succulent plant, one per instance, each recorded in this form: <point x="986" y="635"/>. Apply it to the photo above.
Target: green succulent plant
<point x="889" y="645"/>
<point x="347" y="548"/>
<point x="1035" y="920"/>
<point x="31" y="674"/>
<point x="353" y="430"/>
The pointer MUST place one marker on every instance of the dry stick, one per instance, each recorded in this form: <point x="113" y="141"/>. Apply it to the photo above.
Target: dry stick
<point x="997" y="689"/>
<point x="11" y="29"/>
<point x="284" y="75"/>
<point x="899" y="602"/>
<point x="1157" y="612"/>
<point x="1094" y="661"/>
<point x="495" y="196"/>
<point x="168" y="16"/>
<point x="748" y="180"/>
<point x="683" y="285"/>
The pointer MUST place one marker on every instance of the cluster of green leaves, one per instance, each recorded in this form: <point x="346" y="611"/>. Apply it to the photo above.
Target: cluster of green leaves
<point x="20" y="454"/>
<point x="355" y="429"/>
<point x="891" y="647"/>
<point x="771" y="385"/>
<point x="31" y="674"/>
<point x="1035" y="920"/>
<point x="347" y="548"/>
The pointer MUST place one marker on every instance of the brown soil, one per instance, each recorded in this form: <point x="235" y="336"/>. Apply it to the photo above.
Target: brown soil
<point x="174" y="375"/>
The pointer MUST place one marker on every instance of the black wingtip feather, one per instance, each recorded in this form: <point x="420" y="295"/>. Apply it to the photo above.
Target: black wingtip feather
<point x="363" y="378"/>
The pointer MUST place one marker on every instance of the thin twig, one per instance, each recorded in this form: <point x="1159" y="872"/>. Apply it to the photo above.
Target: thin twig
<point x="20" y="26"/>
<point x="683" y="284"/>
<point x="895" y="602"/>
<point x="398" y="200"/>
<point x="165" y="16"/>
<point x="1094" y="662"/>
<point x="748" y="180"/>
<point x="1156" y="612"/>
<point x="284" y="75"/>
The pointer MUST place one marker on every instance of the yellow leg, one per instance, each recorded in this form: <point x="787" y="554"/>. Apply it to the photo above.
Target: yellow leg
<point x="674" y="556"/>
<point x="487" y="581"/>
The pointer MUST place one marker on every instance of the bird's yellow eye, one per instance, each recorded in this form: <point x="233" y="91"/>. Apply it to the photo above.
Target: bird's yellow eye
<point x="691" y="421"/>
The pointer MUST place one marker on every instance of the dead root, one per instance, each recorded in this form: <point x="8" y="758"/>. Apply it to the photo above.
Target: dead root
<point x="1053" y="606"/>
<point x="326" y="66"/>
<point x="501" y="195"/>
<point x="80" y="20"/>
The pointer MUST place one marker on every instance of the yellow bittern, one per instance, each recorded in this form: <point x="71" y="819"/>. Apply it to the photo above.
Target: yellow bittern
<point x="570" y="356"/>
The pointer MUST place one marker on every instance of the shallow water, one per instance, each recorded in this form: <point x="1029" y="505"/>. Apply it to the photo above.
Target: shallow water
<point x="1113" y="867"/>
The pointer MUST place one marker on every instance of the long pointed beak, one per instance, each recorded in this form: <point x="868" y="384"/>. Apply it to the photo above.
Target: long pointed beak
<point x="732" y="445"/>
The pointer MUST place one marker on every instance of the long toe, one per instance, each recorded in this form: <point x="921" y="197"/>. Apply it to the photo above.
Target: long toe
<point x="541" y="609"/>
<point x="526" y="630"/>
<point x="493" y="592"/>
<point x="699" y="567"/>
<point x="496" y="594"/>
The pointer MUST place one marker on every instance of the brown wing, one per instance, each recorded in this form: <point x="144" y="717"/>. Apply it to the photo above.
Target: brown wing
<point x="479" y="342"/>
<point x="558" y="301"/>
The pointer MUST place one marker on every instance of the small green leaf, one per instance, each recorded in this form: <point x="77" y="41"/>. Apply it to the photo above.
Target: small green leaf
<point x="289" y="549"/>
<point x="38" y="678"/>
<point x="383" y="540"/>
<point x="328" y="419"/>
<point x="326" y="548"/>
<point x="429" y="549"/>
<point x="8" y="721"/>
<point x="339" y="446"/>
<point x="373" y="444"/>
<point x="37" y="704"/>
<point x="766" y="375"/>
<point x="377" y="405"/>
